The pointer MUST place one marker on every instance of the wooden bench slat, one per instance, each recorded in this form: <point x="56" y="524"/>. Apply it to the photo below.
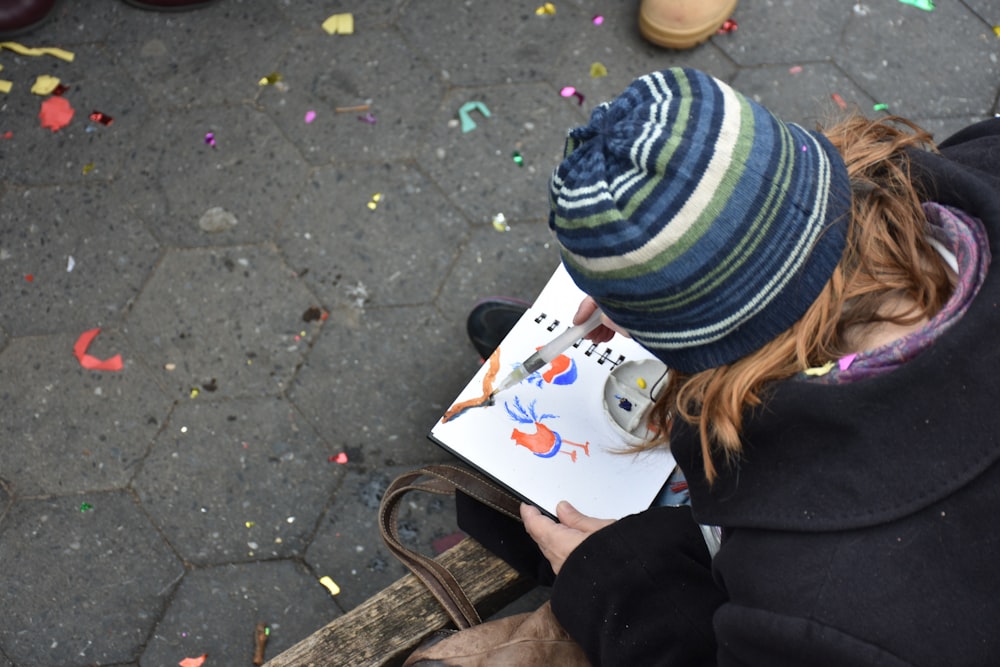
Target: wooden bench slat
<point x="386" y="628"/>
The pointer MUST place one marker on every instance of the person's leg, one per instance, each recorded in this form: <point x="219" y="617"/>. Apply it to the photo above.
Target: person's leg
<point x="490" y="320"/>
<point x="682" y="24"/>
<point x="21" y="16"/>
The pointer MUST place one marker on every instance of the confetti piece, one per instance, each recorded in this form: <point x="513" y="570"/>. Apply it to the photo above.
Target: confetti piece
<point x="996" y="30"/>
<point x="330" y="585"/>
<point x="820" y="370"/>
<point x="597" y="20"/>
<point x="43" y="51"/>
<point x="547" y="9"/>
<point x="881" y="106"/>
<point x="500" y="223"/>
<point x="845" y="362"/>
<point x="87" y="168"/>
<point x="339" y="24"/>
<point x="270" y="79"/>
<point x="194" y="392"/>
<point x="796" y="69"/>
<point x="468" y="125"/>
<point x="926" y="5"/>
<point x="70" y="264"/>
<point x="340" y="458"/>
<point x="44" y="85"/>
<point x="598" y="70"/>
<point x="6" y="85"/>
<point x="839" y="100"/>
<point x="310" y="117"/>
<point x="518" y="159"/>
<point x="368" y="118"/>
<point x="193" y="662"/>
<point x="249" y="524"/>
<point x="210" y="139"/>
<point x="30" y="278"/>
<point x="102" y="118"/>
<point x="727" y="27"/>
<point x="90" y="362"/>
<point x="570" y="91"/>
<point x="86" y="506"/>
<point x="56" y="113"/>
<point x="376" y="198"/>
<point x="8" y="135"/>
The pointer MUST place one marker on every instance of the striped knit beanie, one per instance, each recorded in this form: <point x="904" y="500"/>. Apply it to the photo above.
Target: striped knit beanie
<point x="699" y="222"/>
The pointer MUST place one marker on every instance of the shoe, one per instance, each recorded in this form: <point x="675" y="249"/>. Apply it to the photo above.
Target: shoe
<point x="682" y="24"/>
<point x="21" y="16"/>
<point x="170" y="5"/>
<point x="491" y="320"/>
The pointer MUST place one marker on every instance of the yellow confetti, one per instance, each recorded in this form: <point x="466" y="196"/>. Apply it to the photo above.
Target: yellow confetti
<point x="45" y="84"/>
<point x="87" y="168"/>
<point x="996" y="30"/>
<point x="5" y="85"/>
<point x="500" y="223"/>
<point x="270" y="79"/>
<point x="597" y="70"/>
<point x="331" y="585"/>
<point x="250" y="524"/>
<point x="547" y="8"/>
<point x="194" y="393"/>
<point x="376" y="198"/>
<point x="62" y="54"/>
<point x="820" y="370"/>
<point x="340" y="24"/>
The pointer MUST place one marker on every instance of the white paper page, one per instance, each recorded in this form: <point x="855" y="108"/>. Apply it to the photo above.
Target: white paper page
<point x="548" y="438"/>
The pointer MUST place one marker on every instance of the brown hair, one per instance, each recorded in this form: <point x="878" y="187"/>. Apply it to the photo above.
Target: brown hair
<point x="887" y="256"/>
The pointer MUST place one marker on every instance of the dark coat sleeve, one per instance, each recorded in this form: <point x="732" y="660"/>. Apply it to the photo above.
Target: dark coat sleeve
<point x="640" y="592"/>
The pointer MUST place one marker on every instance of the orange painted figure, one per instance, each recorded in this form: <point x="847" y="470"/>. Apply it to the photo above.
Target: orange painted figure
<point x="543" y="442"/>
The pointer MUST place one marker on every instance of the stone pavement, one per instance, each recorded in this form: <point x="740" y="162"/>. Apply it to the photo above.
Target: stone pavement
<point x="158" y="512"/>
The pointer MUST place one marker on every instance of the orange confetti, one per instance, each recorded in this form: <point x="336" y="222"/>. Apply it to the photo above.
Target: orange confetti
<point x="93" y="363"/>
<point x="56" y="113"/>
<point x="193" y="662"/>
<point x="839" y="100"/>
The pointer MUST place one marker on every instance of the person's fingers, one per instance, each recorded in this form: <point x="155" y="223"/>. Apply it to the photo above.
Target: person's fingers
<point x="571" y="517"/>
<point x="584" y="310"/>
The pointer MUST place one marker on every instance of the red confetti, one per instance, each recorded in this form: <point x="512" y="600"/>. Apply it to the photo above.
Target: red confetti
<point x="8" y="135"/>
<point x="101" y="118"/>
<point x="727" y="27"/>
<point x="56" y="113"/>
<point x="30" y="277"/>
<point x="193" y="662"/>
<point x="59" y="89"/>
<point x="340" y="458"/>
<point x="90" y="362"/>
<point x="839" y="100"/>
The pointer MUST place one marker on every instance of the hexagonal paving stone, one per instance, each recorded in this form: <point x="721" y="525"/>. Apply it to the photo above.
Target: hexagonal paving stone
<point x="476" y="168"/>
<point x="84" y="150"/>
<point x="481" y="42"/>
<point x="378" y="379"/>
<point x="67" y="429"/>
<point x="349" y="548"/>
<point x="79" y="585"/>
<point x="251" y="172"/>
<point x="176" y="56"/>
<point x="216" y="609"/>
<point x="224" y="322"/>
<point x="804" y="94"/>
<point x="395" y="253"/>
<point x="236" y="480"/>
<point x="74" y="257"/>
<point x="881" y="46"/>
<point x="807" y="32"/>
<point x="400" y="89"/>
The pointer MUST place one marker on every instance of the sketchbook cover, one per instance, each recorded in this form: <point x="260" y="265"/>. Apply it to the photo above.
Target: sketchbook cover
<point x="550" y="437"/>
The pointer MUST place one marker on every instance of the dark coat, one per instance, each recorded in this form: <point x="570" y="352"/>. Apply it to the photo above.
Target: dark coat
<point x="861" y="523"/>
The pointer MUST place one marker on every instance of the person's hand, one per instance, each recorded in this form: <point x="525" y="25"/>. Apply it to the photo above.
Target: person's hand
<point x="605" y="331"/>
<point x="557" y="540"/>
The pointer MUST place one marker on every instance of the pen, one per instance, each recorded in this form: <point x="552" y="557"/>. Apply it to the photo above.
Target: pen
<point x="548" y="352"/>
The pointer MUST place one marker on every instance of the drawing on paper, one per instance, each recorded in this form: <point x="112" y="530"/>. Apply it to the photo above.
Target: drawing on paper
<point x="562" y="371"/>
<point x="543" y="442"/>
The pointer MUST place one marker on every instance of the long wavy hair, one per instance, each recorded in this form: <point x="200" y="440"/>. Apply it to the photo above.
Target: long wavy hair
<point x="887" y="257"/>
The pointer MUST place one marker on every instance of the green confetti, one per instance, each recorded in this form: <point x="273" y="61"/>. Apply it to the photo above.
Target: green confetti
<point x="86" y="506"/>
<point x="926" y="5"/>
<point x="518" y="160"/>
<point x="880" y="107"/>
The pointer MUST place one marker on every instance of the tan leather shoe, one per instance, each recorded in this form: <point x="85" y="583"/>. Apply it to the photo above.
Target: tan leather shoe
<point x="681" y="24"/>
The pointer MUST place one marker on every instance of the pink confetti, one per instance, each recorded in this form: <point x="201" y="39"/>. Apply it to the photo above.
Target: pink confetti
<point x="570" y="91"/>
<point x="368" y="118"/>
<point x="845" y="362"/>
<point x="598" y="20"/>
<point x="797" y="69"/>
<point x="210" y="139"/>
<point x="193" y="662"/>
<point x="310" y="116"/>
<point x="728" y="26"/>
<point x="340" y="458"/>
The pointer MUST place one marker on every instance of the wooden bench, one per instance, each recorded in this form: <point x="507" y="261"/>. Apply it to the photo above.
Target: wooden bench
<point x="386" y="628"/>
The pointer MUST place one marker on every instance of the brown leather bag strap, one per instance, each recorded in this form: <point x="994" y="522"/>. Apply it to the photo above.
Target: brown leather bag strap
<point x="441" y="480"/>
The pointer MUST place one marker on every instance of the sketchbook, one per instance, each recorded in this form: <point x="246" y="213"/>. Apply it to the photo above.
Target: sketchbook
<point x="562" y="433"/>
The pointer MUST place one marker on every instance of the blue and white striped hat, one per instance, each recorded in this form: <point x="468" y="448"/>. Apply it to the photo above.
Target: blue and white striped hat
<point x="699" y="222"/>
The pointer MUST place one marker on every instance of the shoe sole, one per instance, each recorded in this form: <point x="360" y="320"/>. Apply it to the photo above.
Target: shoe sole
<point x="672" y="38"/>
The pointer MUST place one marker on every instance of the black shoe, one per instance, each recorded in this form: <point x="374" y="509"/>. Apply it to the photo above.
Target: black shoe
<point x="21" y="16"/>
<point x="491" y="320"/>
